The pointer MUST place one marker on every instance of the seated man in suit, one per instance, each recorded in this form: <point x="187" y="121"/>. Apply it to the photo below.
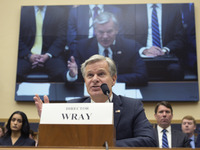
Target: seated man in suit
<point x="158" y="28"/>
<point x="42" y="41"/>
<point x="131" y="68"/>
<point x="188" y="126"/>
<point x="166" y="136"/>
<point x="132" y="127"/>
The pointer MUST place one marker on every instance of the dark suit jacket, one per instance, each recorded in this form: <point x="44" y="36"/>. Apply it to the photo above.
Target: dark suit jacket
<point x="22" y="141"/>
<point x="172" y="28"/>
<point x="132" y="127"/>
<point x="54" y="31"/>
<point x="197" y="144"/>
<point x="179" y="139"/>
<point x="78" y="23"/>
<point x="131" y="69"/>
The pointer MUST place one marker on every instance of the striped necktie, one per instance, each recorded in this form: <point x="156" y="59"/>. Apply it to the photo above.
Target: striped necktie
<point x="164" y="139"/>
<point x="96" y="13"/>
<point x="155" y="27"/>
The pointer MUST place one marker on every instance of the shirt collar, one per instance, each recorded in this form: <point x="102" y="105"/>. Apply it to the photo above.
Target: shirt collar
<point x="92" y="6"/>
<point x="160" y="129"/>
<point x="157" y="4"/>
<point x="43" y="9"/>
<point x="192" y="138"/>
<point x="107" y="101"/>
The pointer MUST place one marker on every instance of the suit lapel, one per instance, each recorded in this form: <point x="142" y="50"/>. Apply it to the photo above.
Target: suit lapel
<point x="83" y="19"/>
<point x="174" y="138"/>
<point x="20" y="141"/>
<point x="165" y="19"/>
<point x="88" y="100"/>
<point x="117" y="50"/>
<point x="117" y="109"/>
<point x="141" y="23"/>
<point x="92" y="49"/>
<point x="31" y="19"/>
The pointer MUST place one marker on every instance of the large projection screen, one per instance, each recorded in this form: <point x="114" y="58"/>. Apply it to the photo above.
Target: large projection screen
<point x="68" y="30"/>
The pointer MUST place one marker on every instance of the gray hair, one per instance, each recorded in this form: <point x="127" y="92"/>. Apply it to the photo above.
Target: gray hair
<point x="97" y="58"/>
<point x="105" y="17"/>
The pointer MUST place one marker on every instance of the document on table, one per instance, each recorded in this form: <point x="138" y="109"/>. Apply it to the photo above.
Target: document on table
<point x="26" y="88"/>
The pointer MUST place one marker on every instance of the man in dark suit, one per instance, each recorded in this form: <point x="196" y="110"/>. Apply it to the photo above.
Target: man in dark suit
<point x="171" y="35"/>
<point x="131" y="68"/>
<point x="42" y="42"/>
<point x="173" y="138"/>
<point x="132" y="127"/>
<point x="188" y="126"/>
<point x="80" y="23"/>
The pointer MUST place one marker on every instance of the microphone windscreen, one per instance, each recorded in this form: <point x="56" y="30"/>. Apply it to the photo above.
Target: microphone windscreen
<point x="105" y="89"/>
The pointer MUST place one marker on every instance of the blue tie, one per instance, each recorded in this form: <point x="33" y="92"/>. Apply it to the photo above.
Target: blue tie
<point x="96" y="9"/>
<point x="164" y="139"/>
<point x="155" y="27"/>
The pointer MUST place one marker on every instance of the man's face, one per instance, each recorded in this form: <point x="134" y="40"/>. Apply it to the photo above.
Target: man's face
<point x="96" y="74"/>
<point x="188" y="126"/>
<point x="163" y="116"/>
<point x="106" y="33"/>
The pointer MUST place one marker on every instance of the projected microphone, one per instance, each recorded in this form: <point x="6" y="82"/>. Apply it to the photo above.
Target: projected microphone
<point x="105" y="90"/>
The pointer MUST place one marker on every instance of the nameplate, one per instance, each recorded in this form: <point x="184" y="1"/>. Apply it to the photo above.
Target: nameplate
<point x="77" y="113"/>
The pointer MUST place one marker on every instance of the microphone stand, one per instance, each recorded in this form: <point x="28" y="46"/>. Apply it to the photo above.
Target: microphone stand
<point x="106" y="145"/>
<point x="107" y="94"/>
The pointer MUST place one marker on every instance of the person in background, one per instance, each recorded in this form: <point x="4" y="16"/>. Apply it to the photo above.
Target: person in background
<point x="167" y="137"/>
<point x="188" y="19"/>
<point x="188" y="126"/>
<point x="132" y="127"/>
<point x="17" y="131"/>
<point x="2" y="131"/>
<point x="81" y="19"/>
<point x="42" y="40"/>
<point x="159" y="29"/>
<point x="33" y="136"/>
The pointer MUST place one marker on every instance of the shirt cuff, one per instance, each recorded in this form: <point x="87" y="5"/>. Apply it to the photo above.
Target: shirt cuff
<point x="71" y="79"/>
<point x="50" y="56"/>
<point x="141" y="50"/>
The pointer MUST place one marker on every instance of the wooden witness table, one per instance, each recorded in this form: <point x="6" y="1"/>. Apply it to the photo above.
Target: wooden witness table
<point x="86" y="148"/>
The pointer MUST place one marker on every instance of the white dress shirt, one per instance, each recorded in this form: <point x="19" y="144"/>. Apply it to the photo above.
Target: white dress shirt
<point x="168" y="133"/>
<point x="149" y="43"/>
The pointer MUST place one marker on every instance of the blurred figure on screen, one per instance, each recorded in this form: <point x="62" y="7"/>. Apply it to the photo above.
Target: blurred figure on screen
<point x="17" y="131"/>
<point x="131" y="125"/>
<point x="188" y="126"/>
<point x="188" y="16"/>
<point x="81" y="19"/>
<point x="42" y="41"/>
<point x="107" y="42"/>
<point x="159" y="29"/>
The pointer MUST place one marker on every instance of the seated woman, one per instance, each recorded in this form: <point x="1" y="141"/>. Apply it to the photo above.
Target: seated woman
<point x="17" y="131"/>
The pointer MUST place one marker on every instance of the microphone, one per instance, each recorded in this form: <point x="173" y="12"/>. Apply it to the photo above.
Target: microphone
<point x="105" y="89"/>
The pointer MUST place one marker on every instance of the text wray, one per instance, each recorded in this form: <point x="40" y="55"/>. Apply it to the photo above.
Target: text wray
<point x="75" y="116"/>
